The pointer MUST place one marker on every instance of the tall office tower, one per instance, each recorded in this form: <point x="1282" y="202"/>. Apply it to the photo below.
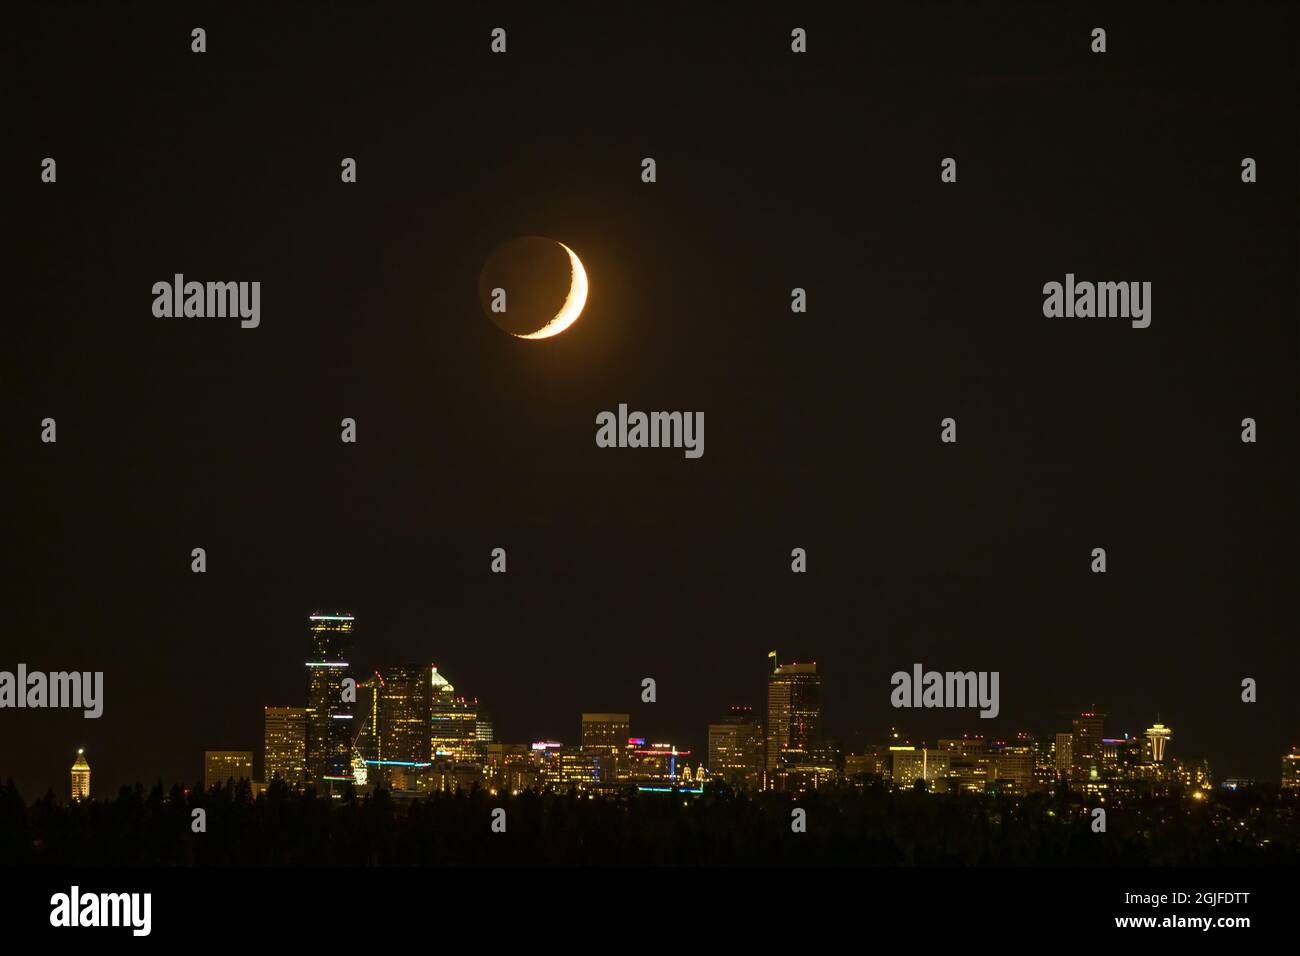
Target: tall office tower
<point x="220" y="766"/>
<point x="1291" y="770"/>
<point x="1086" y="745"/>
<point x="285" y="742"/>
<point x="1157" y="736"/>
<point x="737" y="750"/>
<point x="478" y="732"/>
<point x="405" y="700"/>
<point x="605" y="736"/>
<point x="1064" y="756"/>
<point x="329" y="719"/>
<point x="793" y="709"/>
<point x="81" y="777"/>
<point x="452" y="721"/>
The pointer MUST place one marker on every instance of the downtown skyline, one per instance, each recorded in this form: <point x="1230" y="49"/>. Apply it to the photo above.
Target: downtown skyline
<point x="864" y="756"/>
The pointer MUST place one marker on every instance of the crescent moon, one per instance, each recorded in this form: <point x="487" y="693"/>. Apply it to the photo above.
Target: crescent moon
<point x="573" y="303"/>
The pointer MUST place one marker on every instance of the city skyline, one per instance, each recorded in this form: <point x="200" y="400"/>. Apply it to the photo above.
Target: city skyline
<point x="224" y="767"/>
<point x="402" y="720"/>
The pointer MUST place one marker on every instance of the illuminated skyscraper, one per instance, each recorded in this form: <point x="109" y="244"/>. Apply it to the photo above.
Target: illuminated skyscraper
<point x="1085" y="745"/>
<point x="605" y="736"/>
<point x="405" y="697"/>
<point x="80" y="778"/>
<point x="1064" y="756"/>
<point x="1291" y="770"/>
<point x="793" y="709"/>
<point x="285" y="742"/>
<point x="329" y="719"/>
<point x="453" y="721"/>
<point x="737" y="749"/>
<point x="396" y="731"/>
<point x="605" y="731"/>
<point x="221" y="766"/>
<point x="1157" y="737"/>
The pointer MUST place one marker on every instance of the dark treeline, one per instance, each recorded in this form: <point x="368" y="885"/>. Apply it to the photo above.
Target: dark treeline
<point x="868" y="826"/>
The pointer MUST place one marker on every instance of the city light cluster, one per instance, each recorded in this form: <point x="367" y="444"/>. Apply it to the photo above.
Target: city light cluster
<point x="406" y="729"/>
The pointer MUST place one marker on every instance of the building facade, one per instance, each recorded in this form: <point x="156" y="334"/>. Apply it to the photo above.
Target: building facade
<point x="605" y="737"/>
<point x="793" y="711"/>
<point x="80" y="778"/>
<point x="1086" y="746"/>
<point x="285" y="745"/>
<point x="223" y="766"/>
<point x="329" y="718"/>
<point x="737" y="749"/>
<point x="453" y="722"/>
<point x="920" y="763"/>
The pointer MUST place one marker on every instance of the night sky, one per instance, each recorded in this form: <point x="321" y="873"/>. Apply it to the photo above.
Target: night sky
<point x="775" y="170"/>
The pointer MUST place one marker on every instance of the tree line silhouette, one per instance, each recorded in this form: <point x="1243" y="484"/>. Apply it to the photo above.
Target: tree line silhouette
<point x="870" y="824"/>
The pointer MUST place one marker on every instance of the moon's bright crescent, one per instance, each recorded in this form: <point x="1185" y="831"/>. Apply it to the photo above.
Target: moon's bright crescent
<point x="573" y="304"/>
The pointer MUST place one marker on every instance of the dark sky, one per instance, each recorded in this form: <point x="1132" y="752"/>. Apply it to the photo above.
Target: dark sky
<point x="822" y="430"/>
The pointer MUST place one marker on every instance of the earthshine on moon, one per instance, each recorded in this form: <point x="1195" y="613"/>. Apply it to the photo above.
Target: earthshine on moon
<point x="533" y="287"/>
